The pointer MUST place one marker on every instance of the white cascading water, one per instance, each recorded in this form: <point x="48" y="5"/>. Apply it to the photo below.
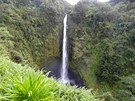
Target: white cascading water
<point x="64" y="71"/>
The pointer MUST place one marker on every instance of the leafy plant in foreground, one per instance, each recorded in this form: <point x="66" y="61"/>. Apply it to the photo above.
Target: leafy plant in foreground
<point x="22" y="83"/>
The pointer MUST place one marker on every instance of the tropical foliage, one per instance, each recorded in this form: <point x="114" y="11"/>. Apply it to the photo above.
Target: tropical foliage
<point x="22" y="83"/>
<point x="103" y="45"/>
<point x="102" y="42"/>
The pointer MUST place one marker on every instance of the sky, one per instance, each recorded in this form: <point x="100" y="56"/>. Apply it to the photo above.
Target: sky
<point x="73" y="2"/>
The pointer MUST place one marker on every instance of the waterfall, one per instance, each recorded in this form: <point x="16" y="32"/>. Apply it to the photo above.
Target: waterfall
<point x="64" y="70"/>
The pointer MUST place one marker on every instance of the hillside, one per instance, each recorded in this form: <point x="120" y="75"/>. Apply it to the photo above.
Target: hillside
<point x="102" y="46"/>
<point x="101" y="49"/>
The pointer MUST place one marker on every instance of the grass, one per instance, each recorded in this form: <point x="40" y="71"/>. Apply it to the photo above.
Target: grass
<point x="23" y="83"/>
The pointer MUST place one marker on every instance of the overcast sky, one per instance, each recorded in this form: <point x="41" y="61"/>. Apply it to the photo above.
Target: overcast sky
<point x="73" y="2"/>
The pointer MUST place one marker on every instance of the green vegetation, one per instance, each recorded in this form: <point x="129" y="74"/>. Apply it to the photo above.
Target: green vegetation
<point x="31" y="29"/>
<point x="29" y="33"/>
<point x="102" y="47"/>
<point x="22" y="83"/>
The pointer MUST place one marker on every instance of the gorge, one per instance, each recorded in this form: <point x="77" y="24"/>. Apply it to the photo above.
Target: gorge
<point x="101" y="45"/>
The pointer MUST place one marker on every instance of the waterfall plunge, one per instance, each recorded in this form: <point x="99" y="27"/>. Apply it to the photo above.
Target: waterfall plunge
<point x="64" y="71"/>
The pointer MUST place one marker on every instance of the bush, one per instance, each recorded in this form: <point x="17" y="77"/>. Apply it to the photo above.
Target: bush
<point x="22" y="83"/>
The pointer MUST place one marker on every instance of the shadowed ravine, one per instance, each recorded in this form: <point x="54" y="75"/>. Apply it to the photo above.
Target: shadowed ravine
<point x="55" y="70"/>
<point x="60" y="69"/>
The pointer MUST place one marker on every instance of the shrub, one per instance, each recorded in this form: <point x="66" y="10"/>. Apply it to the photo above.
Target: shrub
<point x="22" y="83"/>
